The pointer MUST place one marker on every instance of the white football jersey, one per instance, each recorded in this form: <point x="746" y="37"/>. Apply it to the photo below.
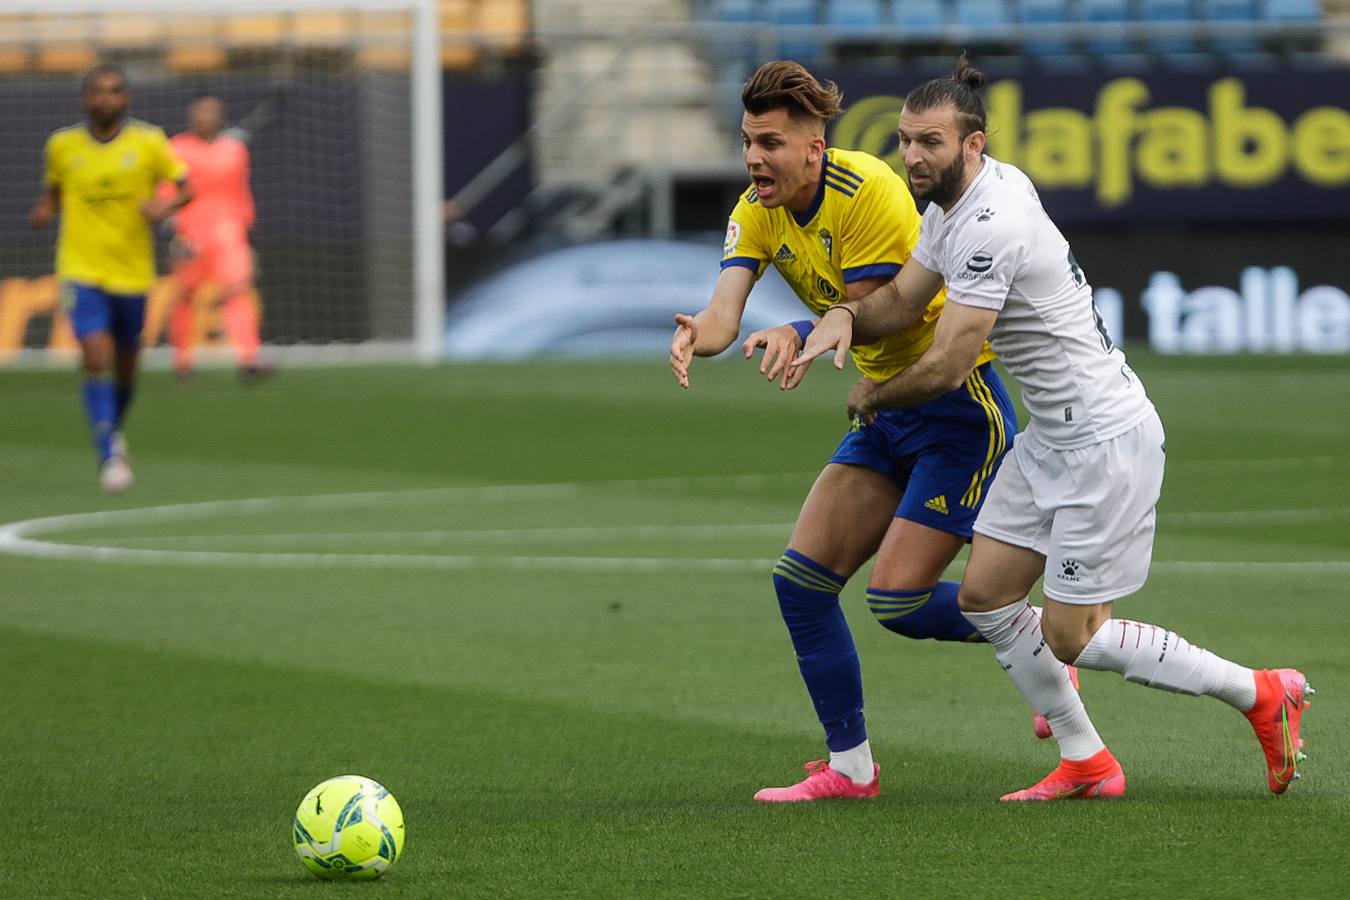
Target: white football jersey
<point x="997" y="249"/>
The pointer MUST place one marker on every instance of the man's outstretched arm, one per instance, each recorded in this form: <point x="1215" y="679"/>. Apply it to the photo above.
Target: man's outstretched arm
<point x="890" y="308"/>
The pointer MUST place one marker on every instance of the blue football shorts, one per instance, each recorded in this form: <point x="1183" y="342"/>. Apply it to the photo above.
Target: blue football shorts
<point x="92" y="309"/>
<point x="943" y="454"/>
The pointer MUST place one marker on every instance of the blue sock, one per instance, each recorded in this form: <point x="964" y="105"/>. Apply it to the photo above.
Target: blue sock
<point x="124" y="394"/>
<point x="928" y="613"/>
<point x="808" y="595"/>
<point x="100" y="407"/>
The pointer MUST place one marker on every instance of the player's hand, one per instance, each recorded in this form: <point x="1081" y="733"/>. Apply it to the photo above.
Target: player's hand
<point x="832" y="332"/>
<point x="157" y="210"/>
<point x="860" y="400"/>
<point x="41" y="216"/>
<point x="682" y="348"/>
<point x="780" y="345"/>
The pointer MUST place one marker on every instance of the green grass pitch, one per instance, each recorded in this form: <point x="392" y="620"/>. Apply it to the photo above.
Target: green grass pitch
<point x="556" y="727"/>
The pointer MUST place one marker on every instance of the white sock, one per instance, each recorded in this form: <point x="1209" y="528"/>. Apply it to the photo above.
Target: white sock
<point x="856" y="763"/>
<point x="1015" y="633"/>
<point x="1147" y="654"/>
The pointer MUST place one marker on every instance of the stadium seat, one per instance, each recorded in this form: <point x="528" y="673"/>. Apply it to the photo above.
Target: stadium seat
<point x="255" y="30"/>
<point x="1106" y="12"/>
<point x="63" y="29"/>
<point x="983" y="14"/>
<point x="458" y="50"/>
<point x="322" y="28"/>
<point x="740" y="12"/>
<point x="121" y="29"/>
<point x="794" y="13"/>
<point x="736" y="12"/>
<point x="1168" y="11"/>
<point x="391" y="56"/>
<point x="1293" y="10"/>
<point x="505" y="23"/>
<point x="13" y="59"/>
<point x="66" y="58"/>
<point x="195" y="58"/>
<point x="862" y="16"/>
<point x="920" y="15"/>
<point x="1222" y="11"/>
<point x="1043" y="12"/>
<point x="192" y="29"/>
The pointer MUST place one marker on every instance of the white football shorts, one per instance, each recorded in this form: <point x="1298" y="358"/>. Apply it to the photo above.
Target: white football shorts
<point x="1090" y="511"/>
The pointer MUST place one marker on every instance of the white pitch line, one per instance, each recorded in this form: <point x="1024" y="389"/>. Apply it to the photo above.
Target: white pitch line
<point x="17" y="538"/>
<point x="559" y="535"/>
<point x="1240" y="517"/>
<point x="569" y="534"/>
<point x="218" y="559"/>
<point x="1261" y="464"/>
<point x="1283" y="568"/>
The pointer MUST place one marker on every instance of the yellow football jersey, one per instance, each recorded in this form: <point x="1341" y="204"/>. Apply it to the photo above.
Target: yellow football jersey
<point x="105" y="240"/>
<point x="862" y="223"/>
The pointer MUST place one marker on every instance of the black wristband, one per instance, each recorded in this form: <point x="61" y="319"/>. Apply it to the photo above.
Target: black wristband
<point x="851" y="313"/>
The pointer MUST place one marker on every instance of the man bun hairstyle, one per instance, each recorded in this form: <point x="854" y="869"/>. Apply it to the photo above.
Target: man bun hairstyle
<point x="960" y="91"/>
<point x="784" y="84"/>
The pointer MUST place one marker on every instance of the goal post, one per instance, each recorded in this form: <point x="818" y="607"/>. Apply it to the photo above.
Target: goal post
<point x="340" y="104"/>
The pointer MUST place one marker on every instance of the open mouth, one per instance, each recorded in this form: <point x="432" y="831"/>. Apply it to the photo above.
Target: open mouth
<point x="764" y="185"/>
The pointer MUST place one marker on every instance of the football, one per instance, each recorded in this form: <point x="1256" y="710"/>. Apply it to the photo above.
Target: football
<point x="349" y="827"/>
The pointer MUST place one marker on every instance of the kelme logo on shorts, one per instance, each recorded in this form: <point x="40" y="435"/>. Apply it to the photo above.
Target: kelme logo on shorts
<point x="1070" y="567"/>
<point x="980" y="262"/>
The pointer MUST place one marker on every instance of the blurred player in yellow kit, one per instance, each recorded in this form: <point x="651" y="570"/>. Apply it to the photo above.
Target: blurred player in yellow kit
<point x="211" y="242"/>
<point x="101" y="177"/>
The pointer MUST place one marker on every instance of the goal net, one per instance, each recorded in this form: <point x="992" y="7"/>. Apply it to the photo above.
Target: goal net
<point x="340" y="109"/>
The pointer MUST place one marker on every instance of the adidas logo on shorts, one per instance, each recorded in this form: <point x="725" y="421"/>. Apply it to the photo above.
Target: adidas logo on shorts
<point x="937" y="504"/>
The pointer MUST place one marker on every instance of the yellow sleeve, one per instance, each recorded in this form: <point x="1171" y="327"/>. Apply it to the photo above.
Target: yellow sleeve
<point x="51" y="176"/>
<point x="879" y="231"/>
<point x="168" y="166"/>
<point x="744" y="242"/>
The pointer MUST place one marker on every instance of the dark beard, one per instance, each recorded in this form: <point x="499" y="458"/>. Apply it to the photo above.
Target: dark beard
<point x="945" y="184"/>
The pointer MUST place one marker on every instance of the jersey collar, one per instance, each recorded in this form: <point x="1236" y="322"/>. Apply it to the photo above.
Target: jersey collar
<point x="805" y="218"/>
<point x="985" y="166"/>
<point x="97" y="140"/>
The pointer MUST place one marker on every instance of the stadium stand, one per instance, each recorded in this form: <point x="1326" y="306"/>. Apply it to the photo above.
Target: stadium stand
<point x="1106" y="12"/>
<point x="1044" y="12"/>
<point x="985" y="25"/>
<point x="197" y="41"/>
<point x="794" y="13"/>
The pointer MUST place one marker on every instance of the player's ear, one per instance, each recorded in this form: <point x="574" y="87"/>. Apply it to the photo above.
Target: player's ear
<point x="975" y="143"/>
<point x="815" y="149"/>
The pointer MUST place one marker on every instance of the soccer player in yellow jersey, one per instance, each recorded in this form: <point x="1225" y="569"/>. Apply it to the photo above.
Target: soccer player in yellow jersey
<point x="904" y="487"/>
<point x="101" y="177"/>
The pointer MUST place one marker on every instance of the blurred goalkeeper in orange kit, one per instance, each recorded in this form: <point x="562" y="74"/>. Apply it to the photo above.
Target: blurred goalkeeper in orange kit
<point x="213" y="261"/>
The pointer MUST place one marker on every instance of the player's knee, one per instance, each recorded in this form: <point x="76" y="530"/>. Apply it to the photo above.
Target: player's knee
<point x="926" y="613"/>
<point x="902" y="611"/>
<point x="801" y="582"/>
<point x="972" y="599"/>
<point x="1065" y="639"/>
<point x="97" y="357"/>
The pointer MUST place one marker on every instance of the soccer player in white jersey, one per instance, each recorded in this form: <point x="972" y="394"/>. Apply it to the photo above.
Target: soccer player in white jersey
<point x="1074" y="501"/>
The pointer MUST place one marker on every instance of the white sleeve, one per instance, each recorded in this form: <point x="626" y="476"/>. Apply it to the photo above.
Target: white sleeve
<point x="986" y="258"/>
<point x="928" y="251"/>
